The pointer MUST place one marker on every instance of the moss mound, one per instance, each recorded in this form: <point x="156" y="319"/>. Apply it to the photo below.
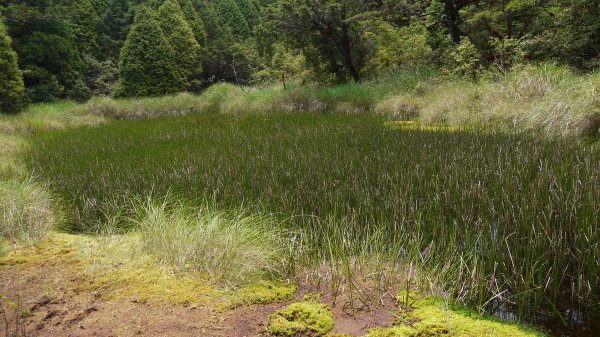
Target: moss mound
<point x="267" y="292"/>
<point x="430" y="317"/>
<point x="397" y="331"/>
<point x="309" y="318"/>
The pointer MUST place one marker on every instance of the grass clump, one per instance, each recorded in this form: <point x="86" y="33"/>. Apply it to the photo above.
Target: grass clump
<point x="231" y="249"/>
<point x="28" y="211"/>
<point x="149" y="107"/>
<point x="48" y="116"/>
<point x="549" y="100"/>
<point x="301" y="318"/>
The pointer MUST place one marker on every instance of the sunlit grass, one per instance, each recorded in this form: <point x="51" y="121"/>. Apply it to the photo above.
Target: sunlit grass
<point x="482" y="215"/>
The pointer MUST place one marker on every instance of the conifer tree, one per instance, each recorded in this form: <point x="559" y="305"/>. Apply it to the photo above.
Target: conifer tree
<point x="11" y="78"/>
<point x="147" y="64"/>
<point x="181" y="38"/>
<point x="194" y="20"/>
<point x="84" y="20"/>
<point x="115" y="22"/>
<point x="231" y="16"/>
<point x="250" y="11"/>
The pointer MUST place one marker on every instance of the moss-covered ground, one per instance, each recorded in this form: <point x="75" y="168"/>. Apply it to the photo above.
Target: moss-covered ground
<point x="114" y="268"/>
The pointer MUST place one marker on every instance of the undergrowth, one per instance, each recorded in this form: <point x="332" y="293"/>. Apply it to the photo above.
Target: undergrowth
<point x="547" y="99"/>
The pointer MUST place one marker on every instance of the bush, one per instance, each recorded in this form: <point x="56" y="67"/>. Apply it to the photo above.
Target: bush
<point x="219" y="94"/>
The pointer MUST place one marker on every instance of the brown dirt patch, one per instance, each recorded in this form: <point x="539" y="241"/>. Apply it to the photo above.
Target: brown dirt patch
<point x="53" y="292"/>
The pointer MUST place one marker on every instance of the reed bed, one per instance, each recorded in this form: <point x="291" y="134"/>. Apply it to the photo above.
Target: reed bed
<point x="489" y="218"/>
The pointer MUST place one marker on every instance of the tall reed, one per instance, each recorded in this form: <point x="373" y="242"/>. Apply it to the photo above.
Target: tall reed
<point x="488" y="217"/>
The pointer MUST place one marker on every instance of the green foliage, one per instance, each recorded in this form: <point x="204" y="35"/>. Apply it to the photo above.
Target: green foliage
<point x="231" y="17"/>
<point x="339" y="40"/>
<point x="250" y="11"/>
<point x="115" y="20"/>
<point x="226" y="57"/>
<point x="49" y="73"/>
<point x="194" y="21"/>
<point x="84" y="20"/>
<point x="11" y="78"/>
<point x="396" y="49"/>
<point x="573" y="34"/>
<point x="100" y="77"/>
<point x="467" y="59"/>
<point x="335" y="45"/>
<point x="301" y="318"/>
<point x="180" y="37"/>
<point x="284" y="65"/>
<point x="147" y="64"/>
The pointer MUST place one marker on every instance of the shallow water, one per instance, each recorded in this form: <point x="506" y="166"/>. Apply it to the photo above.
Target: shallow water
<point x="574" y="322"/>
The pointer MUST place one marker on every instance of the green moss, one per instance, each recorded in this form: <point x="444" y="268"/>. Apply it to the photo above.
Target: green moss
<point x="431" y="317"/>
<point x="267" y="292"/>
<point x="397" y="331"/>
<point x="301" y="318"/>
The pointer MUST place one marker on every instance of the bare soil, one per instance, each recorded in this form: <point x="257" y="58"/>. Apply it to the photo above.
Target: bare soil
<point x="52" y="303"/>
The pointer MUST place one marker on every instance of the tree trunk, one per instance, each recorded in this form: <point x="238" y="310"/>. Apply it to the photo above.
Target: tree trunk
<point x="452" y="20"/>
<point x="346" y="49"/>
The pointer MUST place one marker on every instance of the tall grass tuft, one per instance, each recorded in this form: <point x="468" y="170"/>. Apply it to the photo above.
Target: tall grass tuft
<point x="48" y="116"/>
<point x="28" y="211"/>
<point x="547" y="99"/>
<point x="148" y="107"/>
<point x="232" y="249"/>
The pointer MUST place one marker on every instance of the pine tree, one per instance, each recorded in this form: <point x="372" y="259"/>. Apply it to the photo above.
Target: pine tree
<point x="181" y="37"/>
<point x="194" y="20"/>
<point x="231" y="16"/>
<point x="249" y="9"/>
<point x="11" y="78"/>
<point x="147" y="64"/>
<point x="112" y="30"/>
<point x="84" y="21"/>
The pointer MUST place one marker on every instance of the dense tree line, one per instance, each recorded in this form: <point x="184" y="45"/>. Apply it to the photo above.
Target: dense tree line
<point x="76" y="49"/>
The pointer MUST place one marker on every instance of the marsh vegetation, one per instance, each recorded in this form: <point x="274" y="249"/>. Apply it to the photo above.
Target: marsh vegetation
<point x="488" y="217"/>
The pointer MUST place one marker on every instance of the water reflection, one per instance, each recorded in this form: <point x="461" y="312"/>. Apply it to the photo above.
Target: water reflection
<point x="575" y="322"/>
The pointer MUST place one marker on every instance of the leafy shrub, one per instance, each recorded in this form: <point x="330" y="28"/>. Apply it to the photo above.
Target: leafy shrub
<point x="395" y="49"/>
<point x="219" y="94"/>
<point x="467" y="59"/>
